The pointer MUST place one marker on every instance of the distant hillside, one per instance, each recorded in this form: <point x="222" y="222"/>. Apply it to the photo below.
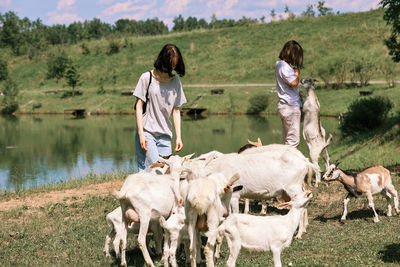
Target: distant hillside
<point x="229" y="55"/>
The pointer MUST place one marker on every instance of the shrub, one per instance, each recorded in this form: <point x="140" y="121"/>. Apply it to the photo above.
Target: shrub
<point x="57" y="65"/>
<point x="85" y="49"/>
<point x="365" y="114"/>
<point x="258" y="103"/>
<point x="3" y="69"/>
<point x="361" y="71"/>
<point x="113" y="47"/>
<point x="8" y="104"/>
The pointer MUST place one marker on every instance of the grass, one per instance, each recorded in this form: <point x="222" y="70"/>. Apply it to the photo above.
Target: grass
<point x="63" y="234"/>
<point x="220" y="56"/>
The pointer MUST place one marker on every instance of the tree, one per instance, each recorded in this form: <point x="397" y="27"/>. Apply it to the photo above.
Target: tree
<point x="73" y="77"/>
<point x="272" y="14"/>
<point x="322" y="9"/>
<point x="56" y="66"/>
<point x="392" y="16"/>
<point x="8" y="104"/>
<point x="10" y="34"/>
<point x="179" y="23"/>
<point x="309" y="11"/>
<point x="3" y="70"/>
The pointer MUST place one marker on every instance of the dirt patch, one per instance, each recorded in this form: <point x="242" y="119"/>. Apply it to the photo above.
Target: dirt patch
<point x="67" y="196"/>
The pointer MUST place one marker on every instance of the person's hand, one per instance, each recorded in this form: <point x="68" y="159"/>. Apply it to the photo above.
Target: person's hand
<point x="178" y="145"/>
<point x="143" y="142"/>
<point x="297" y="72"/>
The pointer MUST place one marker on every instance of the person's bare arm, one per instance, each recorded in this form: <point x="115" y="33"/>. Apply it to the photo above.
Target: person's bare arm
<point x="295" y="83"/>
<point x="139" y="122"/>
<point x="176" y="116"/>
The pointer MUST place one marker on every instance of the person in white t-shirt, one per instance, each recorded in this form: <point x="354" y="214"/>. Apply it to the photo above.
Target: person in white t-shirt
<point x="287" y="72"/>
<point x="162" y="92"/>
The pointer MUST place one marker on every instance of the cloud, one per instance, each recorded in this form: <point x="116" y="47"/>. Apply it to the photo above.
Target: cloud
<point x="127" y="7"/>
<point x="175" y="7"/>
<point x="354" y="5"/>
<point x="64" y="13"/>
<point x="62" y="18"/>
<point x="5" y="3"/>
<point x="65" y="4"/>
<point x="105" y="2"/>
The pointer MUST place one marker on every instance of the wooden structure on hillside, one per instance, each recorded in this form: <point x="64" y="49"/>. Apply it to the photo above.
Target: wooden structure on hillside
<point x="76" y="112"/>
<point x="192" y="108"/>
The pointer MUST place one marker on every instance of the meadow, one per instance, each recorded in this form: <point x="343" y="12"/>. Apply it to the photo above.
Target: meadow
<point x="71" y="230"/>
<point x="238" y="55"/>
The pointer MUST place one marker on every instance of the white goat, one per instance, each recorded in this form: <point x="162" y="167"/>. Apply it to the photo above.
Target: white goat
<point x="266" y="172"/>
<point x="369" y="182"/>
<point x="144" y="197"/>
<point x="313" y="132"/>
<point x="114" y="220"/>
<point x="175" y="232"/>
<point x="206" y="203"/>
<point x="264" y="233"/>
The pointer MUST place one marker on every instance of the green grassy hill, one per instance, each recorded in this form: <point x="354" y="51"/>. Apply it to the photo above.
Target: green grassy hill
<point x="229" y="55"/>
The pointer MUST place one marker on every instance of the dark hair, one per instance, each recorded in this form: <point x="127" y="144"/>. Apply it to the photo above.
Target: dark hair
<point x="163" y="61"/>
<point x="292" y="53"/>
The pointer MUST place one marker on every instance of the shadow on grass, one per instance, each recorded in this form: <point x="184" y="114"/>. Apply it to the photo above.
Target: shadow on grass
<point x="365" y="214"/>
<point x="391" y="253"/>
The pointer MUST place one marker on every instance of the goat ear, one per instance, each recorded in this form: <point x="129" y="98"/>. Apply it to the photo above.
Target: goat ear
<point x="187" y="157"/>
<point x="285" y="205"/>
<point x="157" y="164"/>
<point x="161" y="159"/>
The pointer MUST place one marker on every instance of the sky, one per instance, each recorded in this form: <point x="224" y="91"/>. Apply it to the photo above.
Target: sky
<point x="52" y="12"/>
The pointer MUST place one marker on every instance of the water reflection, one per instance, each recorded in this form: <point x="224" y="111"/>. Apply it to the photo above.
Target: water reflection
<point x="37" y="150"/>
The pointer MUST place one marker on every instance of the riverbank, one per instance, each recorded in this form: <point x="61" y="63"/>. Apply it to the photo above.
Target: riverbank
<point x="232" y="100"/>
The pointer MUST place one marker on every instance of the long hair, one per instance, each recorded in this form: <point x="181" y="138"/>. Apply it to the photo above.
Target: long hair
<point x="292" y="53"/>
<point x="164" y="60"/>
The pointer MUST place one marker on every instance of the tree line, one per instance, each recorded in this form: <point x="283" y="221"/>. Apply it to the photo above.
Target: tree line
<point x="24" y="36"/>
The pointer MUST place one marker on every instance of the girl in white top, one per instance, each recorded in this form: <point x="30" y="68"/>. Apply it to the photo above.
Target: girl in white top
<point x="164" y="97"/>
<point x="287" y="72"/>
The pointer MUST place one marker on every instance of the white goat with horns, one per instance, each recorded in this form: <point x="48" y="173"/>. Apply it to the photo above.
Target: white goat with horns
<point x="313" y="132"/>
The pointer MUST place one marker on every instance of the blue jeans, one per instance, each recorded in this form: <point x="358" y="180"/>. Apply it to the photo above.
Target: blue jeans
<point x="157" y="146"/>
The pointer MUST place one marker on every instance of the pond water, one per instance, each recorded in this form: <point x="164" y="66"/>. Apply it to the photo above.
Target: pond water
<point x="40" y="150"/>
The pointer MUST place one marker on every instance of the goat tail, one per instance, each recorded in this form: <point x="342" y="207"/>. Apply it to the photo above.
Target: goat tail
<point x="201" y="202"/>
<point x="118" y="194"/>
<point x="163" y="222"/>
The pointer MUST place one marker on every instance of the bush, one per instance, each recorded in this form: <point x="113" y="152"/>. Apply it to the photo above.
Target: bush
<point x="113" y="47"/>
<point x="258" y="103"/>
<point x="8" y="104"/>
<point x="365" y="114"/>
<point x="3" y="70"/>
<point x="85" y="49"/>
<point x="361" y="71"/>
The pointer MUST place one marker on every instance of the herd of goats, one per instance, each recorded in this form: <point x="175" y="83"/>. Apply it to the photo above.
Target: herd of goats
<point x="182" y="198"/>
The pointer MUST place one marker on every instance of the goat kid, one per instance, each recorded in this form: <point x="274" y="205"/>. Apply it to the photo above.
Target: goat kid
<point x="367" y="183"/>
<point x="313" y="132"/>
<point x="264" y="233"/>
<point x="114" y="220"/>
<point x="206" y="203"/>
<point x="175" y="232"/>
<point x="144" y="197"/>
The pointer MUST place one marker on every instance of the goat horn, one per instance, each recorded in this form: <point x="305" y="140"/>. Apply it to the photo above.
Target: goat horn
<point x="233" y="179"/>
<point x="337" y="163"/>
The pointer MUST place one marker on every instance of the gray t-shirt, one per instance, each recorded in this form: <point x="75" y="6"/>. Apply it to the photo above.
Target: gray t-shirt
<point x="284" y="75"/>
<point x="163" y="97"/>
